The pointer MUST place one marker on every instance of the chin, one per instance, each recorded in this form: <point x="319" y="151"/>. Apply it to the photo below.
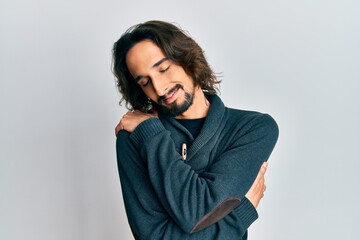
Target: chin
<point x="176" y="109"/>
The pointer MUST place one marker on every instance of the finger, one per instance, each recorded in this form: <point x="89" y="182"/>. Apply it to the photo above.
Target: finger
<point x="119" y="127"/>
<point x="261" y="184"/>
<point x="261" y="174"/>
<point x="265" y="164"/>
<point x="257" y="185"/>
<point x="263" y="168"/>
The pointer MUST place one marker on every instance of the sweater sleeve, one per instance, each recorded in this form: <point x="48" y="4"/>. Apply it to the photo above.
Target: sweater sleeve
<point x="146" y="215"/>
<point x="195" y="202"/>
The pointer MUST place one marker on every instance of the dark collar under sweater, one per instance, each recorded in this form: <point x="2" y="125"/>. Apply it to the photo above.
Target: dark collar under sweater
<point x="213" y="120"/>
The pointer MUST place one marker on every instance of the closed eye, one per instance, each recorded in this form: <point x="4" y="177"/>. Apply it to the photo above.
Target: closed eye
<point x="164" y="70"/>
<point x="144" y="82"/>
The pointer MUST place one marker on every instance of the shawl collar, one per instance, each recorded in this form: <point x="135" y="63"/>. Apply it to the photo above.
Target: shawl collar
<point x="212" y="123"/>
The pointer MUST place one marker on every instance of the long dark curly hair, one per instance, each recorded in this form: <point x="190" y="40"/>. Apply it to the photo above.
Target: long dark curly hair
<point x="176" y="45"/>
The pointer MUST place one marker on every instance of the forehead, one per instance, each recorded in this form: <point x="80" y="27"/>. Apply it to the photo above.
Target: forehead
<point x="142" y="56"/>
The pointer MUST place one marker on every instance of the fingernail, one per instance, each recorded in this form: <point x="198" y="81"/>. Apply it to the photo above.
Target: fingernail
<point x="265" y="164"/>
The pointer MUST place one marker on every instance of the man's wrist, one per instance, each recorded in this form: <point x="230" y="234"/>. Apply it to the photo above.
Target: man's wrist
<point x="146" y="129"/>
<point x="246" y="212"/>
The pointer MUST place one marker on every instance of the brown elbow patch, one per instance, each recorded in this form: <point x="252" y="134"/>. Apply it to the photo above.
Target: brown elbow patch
<point x="217" y="213"/>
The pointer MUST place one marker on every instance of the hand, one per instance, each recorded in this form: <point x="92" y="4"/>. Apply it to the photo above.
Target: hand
<point x="132" y="119"/>
<point x="256" y="192"/>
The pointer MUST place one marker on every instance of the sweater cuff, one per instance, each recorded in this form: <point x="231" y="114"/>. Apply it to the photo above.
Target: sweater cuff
<point x="246" y="212"/>
<point x="147" y="128"/>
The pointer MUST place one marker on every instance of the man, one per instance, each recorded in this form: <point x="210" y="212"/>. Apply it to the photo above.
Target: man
<point x="190" y="168"/>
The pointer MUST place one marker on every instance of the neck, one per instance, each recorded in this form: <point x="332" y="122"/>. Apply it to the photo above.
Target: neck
<point x="199" y="108"/>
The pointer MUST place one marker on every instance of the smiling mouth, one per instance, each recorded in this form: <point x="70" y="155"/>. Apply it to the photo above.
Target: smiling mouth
<point x="170" y="96"/>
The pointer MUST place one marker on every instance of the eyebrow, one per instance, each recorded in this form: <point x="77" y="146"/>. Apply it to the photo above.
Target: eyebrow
<point x="155" y="65"/>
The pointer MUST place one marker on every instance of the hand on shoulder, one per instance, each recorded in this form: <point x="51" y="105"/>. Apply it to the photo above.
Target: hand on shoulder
<point x="132" y="119"/>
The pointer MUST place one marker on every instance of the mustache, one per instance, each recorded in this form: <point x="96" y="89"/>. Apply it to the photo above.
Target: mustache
<point x="161" y="99"/>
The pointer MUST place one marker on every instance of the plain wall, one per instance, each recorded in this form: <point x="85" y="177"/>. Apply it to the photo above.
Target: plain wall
<point x="297" y="60"/>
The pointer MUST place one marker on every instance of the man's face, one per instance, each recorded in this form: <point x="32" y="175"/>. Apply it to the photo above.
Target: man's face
<point x="163" y="81"/>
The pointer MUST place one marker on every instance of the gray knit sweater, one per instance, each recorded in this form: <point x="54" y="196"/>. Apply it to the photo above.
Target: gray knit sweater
<point x="202" y="197"/>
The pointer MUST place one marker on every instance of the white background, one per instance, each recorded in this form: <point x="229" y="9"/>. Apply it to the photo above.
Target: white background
<point x="297" y="60"/>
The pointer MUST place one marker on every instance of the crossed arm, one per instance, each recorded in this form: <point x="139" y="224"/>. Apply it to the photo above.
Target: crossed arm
<point x="151" y="215"/>
<point x="131" y="120"/>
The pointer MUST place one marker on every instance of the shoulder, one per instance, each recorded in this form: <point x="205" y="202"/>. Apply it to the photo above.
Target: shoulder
<point x="245" y="121"/>
<point x="123" y="143"/>
<point x="248" y="116"/>
<point x="122" y="137"/>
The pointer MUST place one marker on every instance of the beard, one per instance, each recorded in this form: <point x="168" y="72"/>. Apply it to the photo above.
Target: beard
<point x="174" y="108"/>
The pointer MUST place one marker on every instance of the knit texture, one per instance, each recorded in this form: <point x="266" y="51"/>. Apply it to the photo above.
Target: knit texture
<point x="203" y="197"/>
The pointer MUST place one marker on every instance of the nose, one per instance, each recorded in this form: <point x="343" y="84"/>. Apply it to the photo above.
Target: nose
<point x="160" y="85"/>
